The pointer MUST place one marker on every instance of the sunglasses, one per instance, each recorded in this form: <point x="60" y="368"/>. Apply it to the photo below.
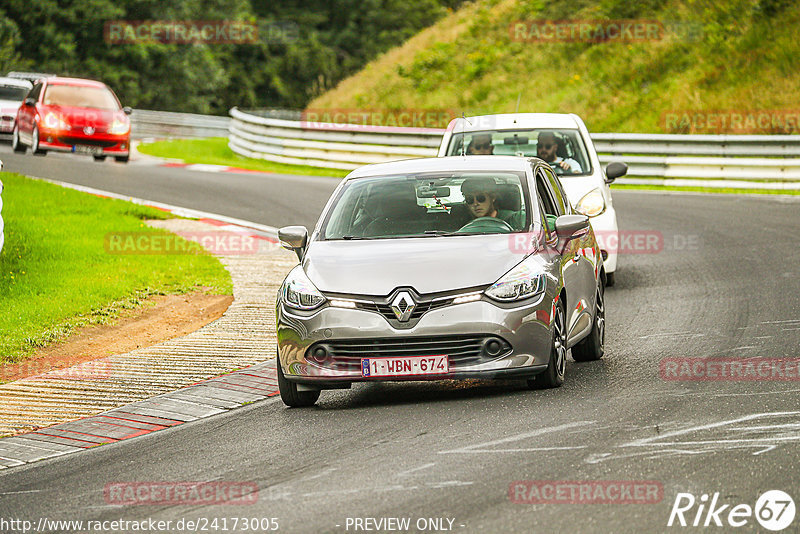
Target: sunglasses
<point x="469" y="199"/>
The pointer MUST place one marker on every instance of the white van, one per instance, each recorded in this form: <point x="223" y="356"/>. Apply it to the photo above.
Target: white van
<point x="566" y="145"/>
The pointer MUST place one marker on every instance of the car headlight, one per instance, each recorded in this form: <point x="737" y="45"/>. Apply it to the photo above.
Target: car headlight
<point x="299" y="293"/>
<point x="592" y="204"/>
<point x="521" y="282"/>
<point x="53" y="121"/>
<point x="119" y="127"/>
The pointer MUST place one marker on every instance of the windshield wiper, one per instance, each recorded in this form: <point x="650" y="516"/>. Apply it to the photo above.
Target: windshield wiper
<point x="436" y="232"/>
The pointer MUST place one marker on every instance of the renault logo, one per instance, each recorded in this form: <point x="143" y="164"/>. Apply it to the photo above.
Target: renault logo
<point x="402" y="306"/>
<point x="88" y="130"/>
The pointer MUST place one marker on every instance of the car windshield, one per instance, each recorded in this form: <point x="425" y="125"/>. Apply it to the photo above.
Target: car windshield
<point x="564" y="149"/>
<point x="429" y="205"/>
<point x="12" y="92"/>
<point x="80" y="96"/>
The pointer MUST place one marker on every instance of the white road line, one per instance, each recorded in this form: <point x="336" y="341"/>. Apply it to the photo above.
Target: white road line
<point x="177" y="210"/>
<point x="469" y="449"/>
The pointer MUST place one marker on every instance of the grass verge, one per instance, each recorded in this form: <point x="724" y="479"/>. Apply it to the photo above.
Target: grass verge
<point x="55" y="273"/>
<point x="215" y="151"/>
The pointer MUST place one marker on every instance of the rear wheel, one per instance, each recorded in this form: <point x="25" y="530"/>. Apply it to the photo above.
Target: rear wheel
<point x="35" y="143"/>
<point x="289" y="394"/>
<point x="553" y="376"/>
<point x="593" y="346"/>
<point x="16" y="144"/>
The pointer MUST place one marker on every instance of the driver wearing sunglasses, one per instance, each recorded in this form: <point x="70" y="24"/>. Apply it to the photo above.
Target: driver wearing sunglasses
<point x="546" y="148"/>
<point x="481" y="145"/>
<point x="480" y="196"/>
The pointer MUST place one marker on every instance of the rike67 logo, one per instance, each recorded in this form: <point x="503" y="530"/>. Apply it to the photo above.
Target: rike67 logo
<point x="774" y="510"/>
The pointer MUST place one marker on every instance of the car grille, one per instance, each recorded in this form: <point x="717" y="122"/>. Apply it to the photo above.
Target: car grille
<point x="461" y="350"/>
<point x="419" y="311"/>
<point x="86" y="141"/>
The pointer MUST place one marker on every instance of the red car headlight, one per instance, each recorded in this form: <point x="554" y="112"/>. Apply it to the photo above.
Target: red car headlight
<point x="54" y="121"/>
<point x="119" y="127"/>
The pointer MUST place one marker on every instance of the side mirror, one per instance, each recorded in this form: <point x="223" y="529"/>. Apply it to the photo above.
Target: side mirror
<point x="294" y="238"/>
<point x="572" y="226"/>
<point x="29" y="102"/>
<point x="127" y="110"/>
<point x="614" y="170"/>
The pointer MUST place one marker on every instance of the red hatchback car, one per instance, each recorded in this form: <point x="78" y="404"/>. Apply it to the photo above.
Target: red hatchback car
<point x="73" y="115"/>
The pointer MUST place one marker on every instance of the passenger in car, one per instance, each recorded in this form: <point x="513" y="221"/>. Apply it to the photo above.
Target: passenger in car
<point x="547" y="149"/>
<point x="481" y="145"/>
<point x="481" y="197"/>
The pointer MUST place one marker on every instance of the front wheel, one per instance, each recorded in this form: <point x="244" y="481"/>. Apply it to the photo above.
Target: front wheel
<point x="16" y="144"/>
<point x="35" y="143"/>
<point x="553" y="376"/>
<point x="592" y="347"/>
<point x="122" y="159"/>
<point x="610" y="279"/>
<point x="99" y="158"/>
<point x="289" y="394"/>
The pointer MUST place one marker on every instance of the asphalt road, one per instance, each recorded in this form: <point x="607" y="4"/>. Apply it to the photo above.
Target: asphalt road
<point x="725" y="283"/>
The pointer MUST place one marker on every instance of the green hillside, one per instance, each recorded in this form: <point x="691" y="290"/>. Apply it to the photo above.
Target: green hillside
<point x="730" y="57"/>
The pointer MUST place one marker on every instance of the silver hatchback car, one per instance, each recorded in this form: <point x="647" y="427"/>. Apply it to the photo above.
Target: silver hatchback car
<point x="440" y="268"/>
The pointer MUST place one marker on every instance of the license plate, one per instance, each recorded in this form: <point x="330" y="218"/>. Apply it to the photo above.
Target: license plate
<point x="86" y="149"/>
<point x="408" y="366"/>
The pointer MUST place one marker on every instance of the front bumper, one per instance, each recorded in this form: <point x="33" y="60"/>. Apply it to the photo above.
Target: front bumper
<point x="102" y="144"/>
<point x="524" y="331"/>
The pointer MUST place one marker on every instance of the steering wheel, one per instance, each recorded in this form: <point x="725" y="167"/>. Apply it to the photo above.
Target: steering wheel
<point x="486" y="224"/>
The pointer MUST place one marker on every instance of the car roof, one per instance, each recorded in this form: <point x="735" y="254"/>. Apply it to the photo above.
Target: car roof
<point x="58" y="80"/>
<point x="445" y="164"/>
<point x="512" y="121"/>
<point x="15" y="82"/>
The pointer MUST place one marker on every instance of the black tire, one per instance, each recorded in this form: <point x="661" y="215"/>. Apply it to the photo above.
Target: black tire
<point x="289" y="394"/>
<point x="35" y="143"/>
<point x="592" y="347"/>
<point x="553" y="376"/>
<point x="99" y="158"/>
<point x="610" y="279"/>
<point x="16" y="144"/>
<point x="122" y="159"/>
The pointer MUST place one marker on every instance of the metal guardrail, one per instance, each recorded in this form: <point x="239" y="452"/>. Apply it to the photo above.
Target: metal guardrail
<point x="160" y="124"/>
<point x="342" y="146"/>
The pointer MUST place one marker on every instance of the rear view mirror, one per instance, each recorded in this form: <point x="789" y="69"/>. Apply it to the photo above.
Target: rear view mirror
<point x="614" y="170"/>
<point x="294" y="238"/>
<point x="29" y="102"/>
<point x="127" y="110"/>
<point x="516" y="140"/>
<point x="440" y="192"/>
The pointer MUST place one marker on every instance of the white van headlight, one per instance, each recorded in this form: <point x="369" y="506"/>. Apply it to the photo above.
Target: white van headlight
<point x="592" y="204"/>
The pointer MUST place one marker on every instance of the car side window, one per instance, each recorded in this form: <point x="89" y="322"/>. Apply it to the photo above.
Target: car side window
<point x="543" y="188"/>
<point x="555" y="186"/>
<point x="35" y="92"/>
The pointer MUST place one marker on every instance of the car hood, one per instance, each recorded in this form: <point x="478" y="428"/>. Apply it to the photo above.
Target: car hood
<point x="10" y="104"/>
<point x="429" y="265"/>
